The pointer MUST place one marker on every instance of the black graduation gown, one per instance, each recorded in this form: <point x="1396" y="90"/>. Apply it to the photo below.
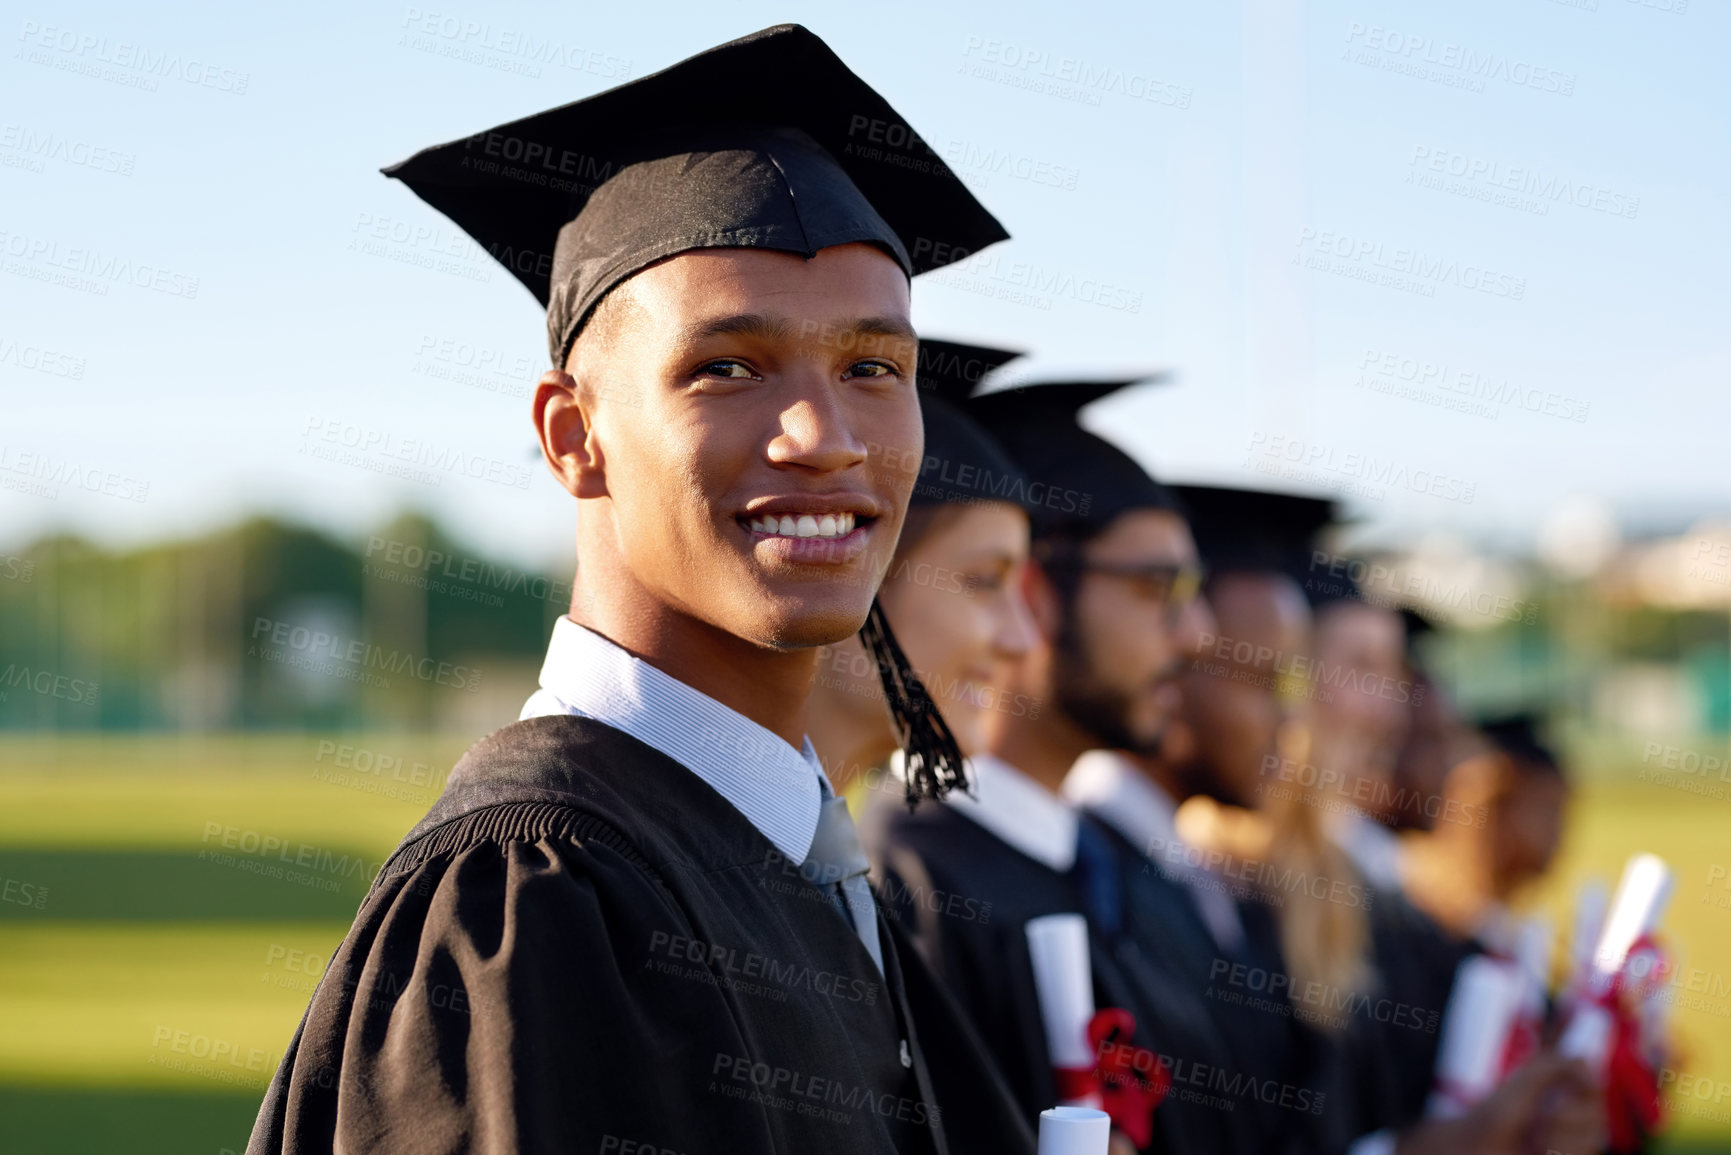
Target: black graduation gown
<point x="1247" y="1075"/>
<point x="585" y="948"/>
<point x="1391" y="1054"/>
<point x="967" y="896"/>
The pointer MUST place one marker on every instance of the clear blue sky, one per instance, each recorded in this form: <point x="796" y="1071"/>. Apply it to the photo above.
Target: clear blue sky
<point x="1198" y="159"/>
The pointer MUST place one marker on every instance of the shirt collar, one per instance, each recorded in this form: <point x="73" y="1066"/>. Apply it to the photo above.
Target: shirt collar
<point x="1020" y="811"/>
<point x="1373" y="848"/>
<point x="775" y="786"/>
<point x="1109" y="786"/>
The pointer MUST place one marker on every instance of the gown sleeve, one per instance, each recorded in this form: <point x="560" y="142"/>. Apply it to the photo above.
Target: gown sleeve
<point x="504" y="996"/>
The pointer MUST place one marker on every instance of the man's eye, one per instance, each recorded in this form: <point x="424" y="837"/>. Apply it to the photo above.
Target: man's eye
<point x="871" y="369"/>
<point x="726" y="367"/>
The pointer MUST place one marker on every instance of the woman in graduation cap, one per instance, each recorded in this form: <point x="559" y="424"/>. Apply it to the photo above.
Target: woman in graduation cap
<point x="973" y="875"/>
<point x="637" y="920"/>
<point x="951" y="592"/>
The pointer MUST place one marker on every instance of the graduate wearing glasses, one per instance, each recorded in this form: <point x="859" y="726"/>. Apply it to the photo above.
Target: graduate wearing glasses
<point x="1112" y="590"/>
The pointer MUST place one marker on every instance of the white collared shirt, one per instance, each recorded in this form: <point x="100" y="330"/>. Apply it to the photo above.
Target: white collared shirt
<point x="772" y="784"/>
<point x="1373" y="848"/>
<point x="1019" y="810"/>
<point x="1105" y="784"/>
<point x="1113" y="789"/>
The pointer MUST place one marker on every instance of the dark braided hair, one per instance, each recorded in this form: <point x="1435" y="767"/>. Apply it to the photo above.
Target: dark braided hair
<point x="934" y="761"/>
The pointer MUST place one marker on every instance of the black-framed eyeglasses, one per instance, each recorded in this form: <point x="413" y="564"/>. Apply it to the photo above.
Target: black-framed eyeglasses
<point x="1173" y="587"/>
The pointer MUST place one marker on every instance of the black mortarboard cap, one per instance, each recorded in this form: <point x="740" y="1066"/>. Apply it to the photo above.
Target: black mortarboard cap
<point x="1519" y="736"/>
<point x="953" y="370"/>
<point x="963" y="463"/>
<point x="1417" y="625"/>
<point x="1240" y="530"/>
<point x="768" y="141"/>
<point x="1076" y="478"/>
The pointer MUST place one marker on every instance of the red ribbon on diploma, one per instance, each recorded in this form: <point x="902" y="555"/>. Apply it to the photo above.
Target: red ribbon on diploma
<point x="1633" y="1103"/>
<point x="1128" y="1081"/>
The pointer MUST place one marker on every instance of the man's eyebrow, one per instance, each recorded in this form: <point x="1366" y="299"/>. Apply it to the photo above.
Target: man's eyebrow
<point x="883" y="327"/>
<point x="759" y="325"/>
<point x="767" y="328"/>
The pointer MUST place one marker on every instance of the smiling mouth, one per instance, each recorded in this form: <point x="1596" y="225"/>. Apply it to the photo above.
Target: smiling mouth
<point x="822" y="526"/>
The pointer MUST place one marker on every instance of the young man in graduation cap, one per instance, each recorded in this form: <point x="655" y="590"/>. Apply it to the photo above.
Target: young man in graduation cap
<point x="1237" y="703"/>
<point x="1402" y="957"/>
<point x="1112" y="589"/>
<point x="637" y="920"/>
<point x="1207" y="936"/>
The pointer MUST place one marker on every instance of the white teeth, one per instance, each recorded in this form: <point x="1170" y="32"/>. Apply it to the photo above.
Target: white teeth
<point x="819" y="525"/>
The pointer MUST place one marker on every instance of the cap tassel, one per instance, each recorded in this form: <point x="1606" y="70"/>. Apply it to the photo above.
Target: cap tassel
<point x="933" y="760"/>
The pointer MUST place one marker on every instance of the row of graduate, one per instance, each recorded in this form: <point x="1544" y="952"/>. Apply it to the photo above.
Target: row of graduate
<point x="643" y="919"/>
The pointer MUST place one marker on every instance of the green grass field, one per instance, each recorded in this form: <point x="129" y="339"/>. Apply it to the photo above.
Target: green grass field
<point x="166" y="905"/>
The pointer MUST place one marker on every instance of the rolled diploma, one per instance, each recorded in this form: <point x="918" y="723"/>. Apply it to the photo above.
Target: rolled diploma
<point x="1064" y="985"/>
<point x="1642" y="893"/>
<point x="1589" y="923"/>
<point x="1533" y="953"/>
<point x="1488" y="995"/>
<point x="1074" y="1131"/>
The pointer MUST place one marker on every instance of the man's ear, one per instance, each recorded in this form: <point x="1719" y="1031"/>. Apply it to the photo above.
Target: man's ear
<point x="567" y="438"/>
<point x="1042" y="600"/>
